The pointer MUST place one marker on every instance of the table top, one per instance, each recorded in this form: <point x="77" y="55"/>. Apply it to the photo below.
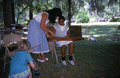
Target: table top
<point x="18" y="25"/>
<point x="11" y="30"/>
<point x="65" y="38"/>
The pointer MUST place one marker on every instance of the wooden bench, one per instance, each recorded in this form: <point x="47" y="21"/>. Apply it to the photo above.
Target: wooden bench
<point x="75" y="31"/>
<point x="75" y="35"/>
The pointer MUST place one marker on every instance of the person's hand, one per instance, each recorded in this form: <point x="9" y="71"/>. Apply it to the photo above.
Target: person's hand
<point x="36" y="69"/>
<point x="67" y="36"/>
<point x="48" y="36"/>
<point x="52" y="34"/>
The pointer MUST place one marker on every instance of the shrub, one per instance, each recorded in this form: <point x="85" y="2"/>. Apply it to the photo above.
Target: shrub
<point x="82" y="17"/>
<point x="115" y="19"/>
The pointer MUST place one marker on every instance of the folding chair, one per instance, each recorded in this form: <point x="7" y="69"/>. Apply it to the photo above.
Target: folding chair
<point x="9" y="40"/>
<point x="54" y="48"/>
<point x="117" y="34"/>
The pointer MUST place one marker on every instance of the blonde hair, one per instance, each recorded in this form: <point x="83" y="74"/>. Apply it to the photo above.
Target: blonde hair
<point x="23" y="45"/>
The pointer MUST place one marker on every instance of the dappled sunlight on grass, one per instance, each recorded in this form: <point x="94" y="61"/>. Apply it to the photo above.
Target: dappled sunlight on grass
<point x="99" y="59"/>
<point x="95" y="29"/>
<point x="108" y="39"/>
<point x="91" y="32"/>
<point x="98" y="24"/>
<point x="98" y="31"/>
<point x="85" y="35"/>
<point x="112" y="30"/>
<point x="97" y="35"/>
<point x="100" y="35"/>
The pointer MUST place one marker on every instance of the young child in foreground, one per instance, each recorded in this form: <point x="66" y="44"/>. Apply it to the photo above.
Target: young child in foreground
<point x="62" y="30"/>
<point x="19" y="64"/>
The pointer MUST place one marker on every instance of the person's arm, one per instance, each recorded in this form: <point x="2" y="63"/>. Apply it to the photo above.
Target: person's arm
<point x="43" y="26"/>
<point x="30" y="61"/>
<point x="54" y="30"/>
<point x="68" y="33"/>
<point x="33" y="66"/>
<point x="47" y="33"/>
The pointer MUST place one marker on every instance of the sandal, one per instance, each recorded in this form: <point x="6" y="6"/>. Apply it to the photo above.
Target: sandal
<point x="41" y="60"/>
<point x="46" y="59"/>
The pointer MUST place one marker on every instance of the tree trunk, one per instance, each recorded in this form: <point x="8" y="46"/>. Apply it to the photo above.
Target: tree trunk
<point x="8" y="13"/>
<point x="119" y="7"/>
<point x="58" y="3"/>
<point x="13" y="15"/>
<point x="69" y="12"/>
<point x="30" y="10"/>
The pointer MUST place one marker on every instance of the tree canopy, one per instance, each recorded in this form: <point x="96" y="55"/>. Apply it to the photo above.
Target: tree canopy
<point x="25" y="10"/>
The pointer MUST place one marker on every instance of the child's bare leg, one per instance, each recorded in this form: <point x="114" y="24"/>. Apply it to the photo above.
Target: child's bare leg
<point x="42" y="56"/>
<point x="63" y="52"/>
<point x="39" y="56"/>
<point x="30" y="75"/>
<point x="71" y="50"/>
<point x="71" y="54"/>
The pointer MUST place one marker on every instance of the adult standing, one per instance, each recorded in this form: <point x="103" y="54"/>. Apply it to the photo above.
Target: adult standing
<point x="38" y="27"/>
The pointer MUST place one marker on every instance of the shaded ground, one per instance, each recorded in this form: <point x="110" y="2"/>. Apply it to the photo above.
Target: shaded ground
<point x="100" y="59"/>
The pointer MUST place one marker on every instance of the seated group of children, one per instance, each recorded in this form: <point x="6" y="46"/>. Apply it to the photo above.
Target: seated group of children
<point x="22" y="60"/>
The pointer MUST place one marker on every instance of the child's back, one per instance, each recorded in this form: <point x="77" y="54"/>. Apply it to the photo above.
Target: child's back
<point x="19" y="62"/>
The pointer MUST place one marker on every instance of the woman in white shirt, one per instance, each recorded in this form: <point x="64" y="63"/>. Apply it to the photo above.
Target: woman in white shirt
<point x="38" y="27"/>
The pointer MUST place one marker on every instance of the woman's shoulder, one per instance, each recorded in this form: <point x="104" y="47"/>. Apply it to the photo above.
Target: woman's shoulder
<point x="41" y="13"/>
<point x="44" y="14"/>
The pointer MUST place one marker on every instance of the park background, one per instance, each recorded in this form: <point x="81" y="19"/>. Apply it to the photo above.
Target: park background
<point x="75" y="11"/>
<point x="99" y="20"/>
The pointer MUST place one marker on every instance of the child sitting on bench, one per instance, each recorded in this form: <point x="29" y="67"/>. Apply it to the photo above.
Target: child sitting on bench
<point x="62" y="30"/>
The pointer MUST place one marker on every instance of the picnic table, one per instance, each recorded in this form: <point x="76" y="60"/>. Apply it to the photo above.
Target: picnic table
<point x="18" y="25"/>
<point x="9" y="31"/>
<point x="65" y="38"/>
<point x="15" y="30"/>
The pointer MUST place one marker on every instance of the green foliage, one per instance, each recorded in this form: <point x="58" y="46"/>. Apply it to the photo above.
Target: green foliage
<point x="1" y="24"/>
<point x="22" y="8"/>
<point x="1" y="0"/>
<point x="74" y="7"/>
<point x="104" y="8"/>
<point x="118" y="20"/>
<point x="115" y="19"/>
<point x="82" y="17"/>
<point x="41" y="5"/>
<point x="1" y="13"/>
<point x="97" y="5"/>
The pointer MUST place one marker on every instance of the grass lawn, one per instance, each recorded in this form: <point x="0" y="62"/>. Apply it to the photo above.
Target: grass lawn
<point x="100" y="59"/>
